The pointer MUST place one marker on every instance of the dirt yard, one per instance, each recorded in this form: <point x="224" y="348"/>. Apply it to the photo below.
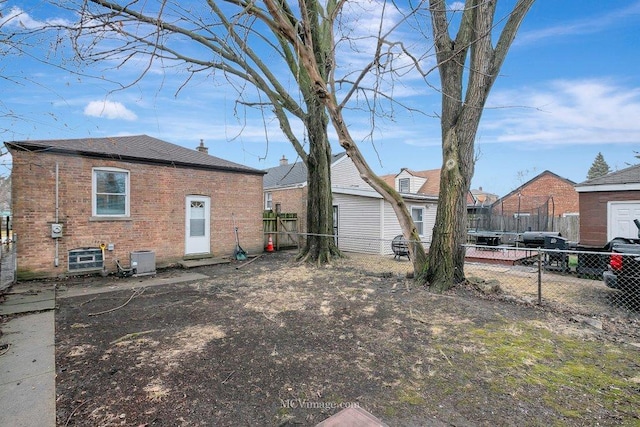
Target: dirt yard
<point x="276" y="343"/>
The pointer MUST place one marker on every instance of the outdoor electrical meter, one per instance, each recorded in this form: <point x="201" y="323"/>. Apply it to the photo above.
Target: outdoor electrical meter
<point x="56" y="231"/>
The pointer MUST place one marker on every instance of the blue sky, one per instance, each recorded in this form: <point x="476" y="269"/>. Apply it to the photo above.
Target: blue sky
<point x="570" y="88"/>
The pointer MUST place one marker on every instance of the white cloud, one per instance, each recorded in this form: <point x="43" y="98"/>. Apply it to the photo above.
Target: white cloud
<point x="457" y="6"/>
<point x="109" y="110"/>
<point x="564" y="112"/>
<point x="17" y="17"/>
<point x="597" y="23"/>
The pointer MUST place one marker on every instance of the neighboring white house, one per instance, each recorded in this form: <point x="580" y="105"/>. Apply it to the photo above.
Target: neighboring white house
<point x="363" y="221"/>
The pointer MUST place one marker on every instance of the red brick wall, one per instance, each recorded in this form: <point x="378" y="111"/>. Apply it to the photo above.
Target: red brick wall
<point x="293" y="200"/>
<point x="157" y="211"/>
<point x="565" y="197"/>
<point x="593" y="214"/>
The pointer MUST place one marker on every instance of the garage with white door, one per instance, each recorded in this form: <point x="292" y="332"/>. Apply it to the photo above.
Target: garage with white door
<point x="608" y="207"/>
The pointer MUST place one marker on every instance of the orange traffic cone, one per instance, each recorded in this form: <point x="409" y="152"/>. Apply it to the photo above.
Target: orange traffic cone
<point x="270" y="244"/>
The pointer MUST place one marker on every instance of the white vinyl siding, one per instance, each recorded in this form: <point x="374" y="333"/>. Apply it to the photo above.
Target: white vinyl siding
<point x="344" y="174"/>
<point x="392" y="226"/>
<point x="415" y="182"/>
<point x="359" y="223"/>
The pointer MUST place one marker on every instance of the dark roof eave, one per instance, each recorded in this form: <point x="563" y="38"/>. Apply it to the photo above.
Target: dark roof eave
<point x="23" y="146"/>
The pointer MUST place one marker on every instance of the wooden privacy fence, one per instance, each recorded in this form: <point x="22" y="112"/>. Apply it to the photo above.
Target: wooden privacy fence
<point x="568" y="226"/>
<point x="283" y="229"/>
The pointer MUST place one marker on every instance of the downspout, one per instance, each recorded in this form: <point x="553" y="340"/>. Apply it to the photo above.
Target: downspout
<point x="56" y="259"/>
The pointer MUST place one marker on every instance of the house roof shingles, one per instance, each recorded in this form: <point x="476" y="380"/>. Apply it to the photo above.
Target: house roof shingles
<point x="630" y="175"/>
<point x="432" y="185"/>
<point x="290" y="174"/>
<point x="141" y="148"/>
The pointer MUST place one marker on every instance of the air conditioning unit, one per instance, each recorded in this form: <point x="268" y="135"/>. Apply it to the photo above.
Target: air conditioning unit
<point x="143" y="263"/>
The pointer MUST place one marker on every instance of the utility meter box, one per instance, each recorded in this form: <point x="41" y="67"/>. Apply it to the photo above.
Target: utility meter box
<point x="56" y="231"/>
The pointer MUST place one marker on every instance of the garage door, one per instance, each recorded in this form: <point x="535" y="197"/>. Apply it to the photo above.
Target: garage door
<point x="620" y="219"/>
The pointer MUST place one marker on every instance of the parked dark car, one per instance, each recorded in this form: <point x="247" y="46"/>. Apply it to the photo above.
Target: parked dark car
<point x="623" y="271"/>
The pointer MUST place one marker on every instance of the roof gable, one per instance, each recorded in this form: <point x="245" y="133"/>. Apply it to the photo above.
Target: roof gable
<point x="136" y="148"/>
<point x="532" y="180"/>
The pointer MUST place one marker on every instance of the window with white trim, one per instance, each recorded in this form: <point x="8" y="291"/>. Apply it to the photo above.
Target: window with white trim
<point x="418" y="214"/>
<point x="404" y="185"/>
<point x="110" y="194"/>
<point x="268" y="203"/>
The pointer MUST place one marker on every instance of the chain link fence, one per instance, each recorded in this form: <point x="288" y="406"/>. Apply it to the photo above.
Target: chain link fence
<point x="581" y="282"/>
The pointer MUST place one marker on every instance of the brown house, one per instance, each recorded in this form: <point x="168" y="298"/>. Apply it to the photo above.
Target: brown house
<point x="536" y="203"/>
<point x="608" y="206"/>
<point x="79" y="205"/>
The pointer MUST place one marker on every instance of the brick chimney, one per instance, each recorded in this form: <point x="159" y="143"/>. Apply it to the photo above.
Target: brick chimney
<point x="201" y="148"/>
<point x="284" y="161"/>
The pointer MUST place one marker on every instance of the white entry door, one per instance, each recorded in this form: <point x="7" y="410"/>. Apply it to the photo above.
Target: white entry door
<point x="197" y="227"/>
<point x="620" y="221"/>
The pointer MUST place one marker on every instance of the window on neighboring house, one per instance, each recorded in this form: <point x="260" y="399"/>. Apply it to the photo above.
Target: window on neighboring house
<point x="268" y="204"/>
<point x="417" y="214"/>
<point x="110" y="192"/>
<point x="403" y="185"/>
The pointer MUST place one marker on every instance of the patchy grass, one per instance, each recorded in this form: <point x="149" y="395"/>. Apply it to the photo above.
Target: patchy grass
<point x="278" y="343"/>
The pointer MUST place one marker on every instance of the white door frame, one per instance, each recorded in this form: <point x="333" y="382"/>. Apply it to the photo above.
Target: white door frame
<point x="197" y="238"/>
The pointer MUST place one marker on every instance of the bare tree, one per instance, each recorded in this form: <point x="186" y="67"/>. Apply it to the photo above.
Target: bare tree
<point x="238" y="35"/>
<point x="468" y="63"/>
<point x="470" y="55"/>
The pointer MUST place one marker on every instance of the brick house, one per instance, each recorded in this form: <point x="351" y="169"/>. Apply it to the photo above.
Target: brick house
<point x="78" y="205"/>
<point x="608" y="206"/>
<point x="536" y="203"/>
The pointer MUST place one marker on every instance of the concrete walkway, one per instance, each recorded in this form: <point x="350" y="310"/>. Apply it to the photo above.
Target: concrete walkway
<point x="27" y="371"/>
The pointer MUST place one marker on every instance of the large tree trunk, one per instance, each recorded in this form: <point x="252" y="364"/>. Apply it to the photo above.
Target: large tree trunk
<point x="470" y="55"/>
<point x="320" y="245"/>
<point x="446" y="253"/>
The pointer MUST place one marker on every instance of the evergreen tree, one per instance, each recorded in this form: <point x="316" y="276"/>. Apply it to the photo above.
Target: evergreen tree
<point x="598" y="168"/>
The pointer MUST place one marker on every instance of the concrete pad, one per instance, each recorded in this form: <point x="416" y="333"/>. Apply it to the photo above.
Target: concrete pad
<point x="27" y="372"/>
<point x="127" y="284"/>
<point x="26" y="301"/>
<point x="192" y="263"/>
<point x="352" y="417"/>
